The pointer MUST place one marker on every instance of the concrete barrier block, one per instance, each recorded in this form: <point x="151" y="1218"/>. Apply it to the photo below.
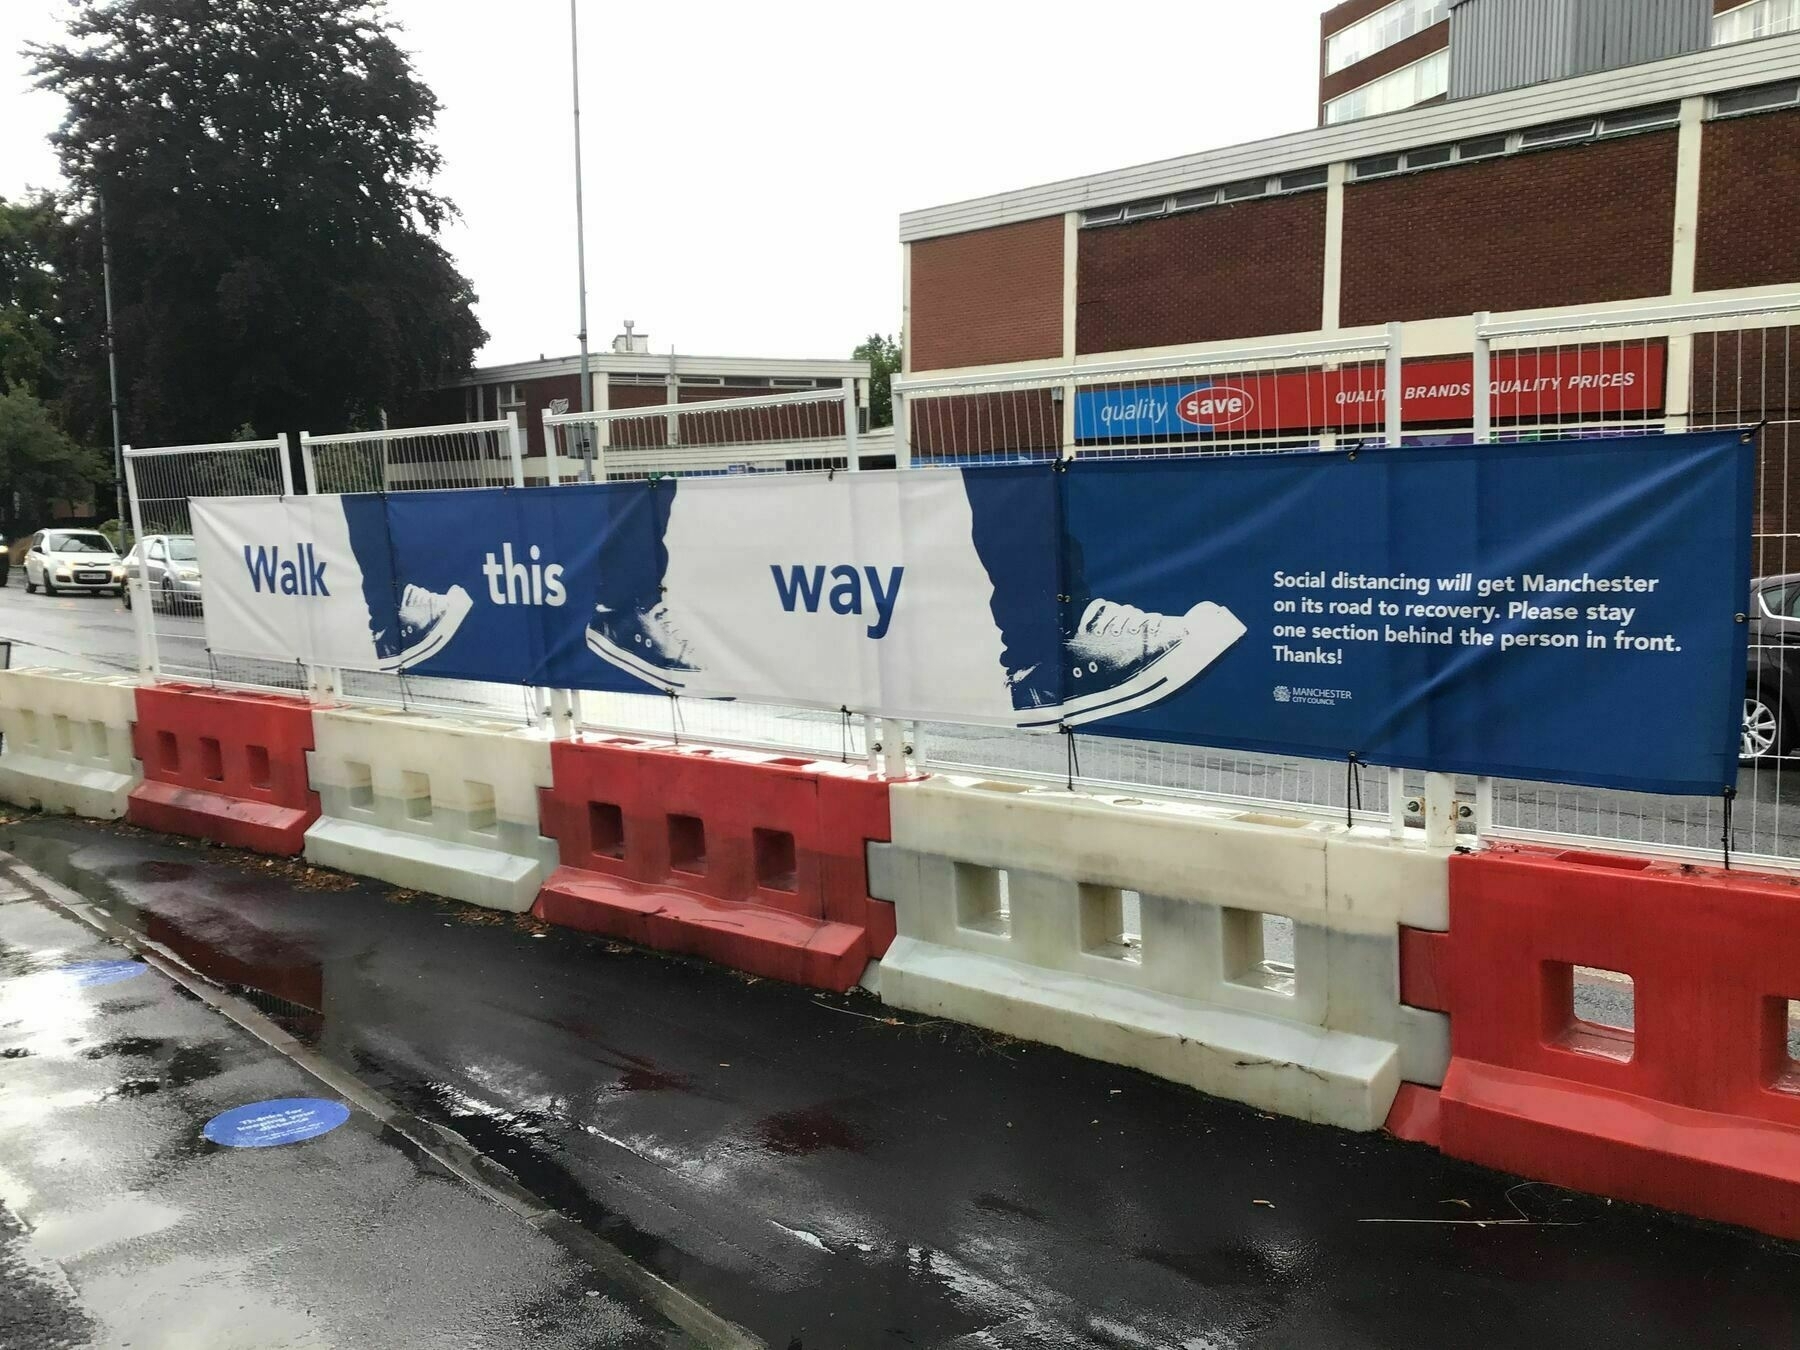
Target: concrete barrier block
<point x="440" y="804"/>
<point x="1235" y="858"/>
<point x="1374" y="882"/>
<point x="1330" y="1077"/>
<point x="67" y="742"/>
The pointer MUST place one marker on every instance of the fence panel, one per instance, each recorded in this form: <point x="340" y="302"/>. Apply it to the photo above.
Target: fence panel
<point x="1688" y="367"/>
<point x="1257" y="400"/>
<point x="810" y="431"/>
<point x="166" y="589"/>
<point x="466" y="455"/>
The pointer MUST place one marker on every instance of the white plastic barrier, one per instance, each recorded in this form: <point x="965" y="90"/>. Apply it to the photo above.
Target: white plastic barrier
<point x="68" y="742"/>
<point x="431" y="803"/>
<point x="1015" y="906"/>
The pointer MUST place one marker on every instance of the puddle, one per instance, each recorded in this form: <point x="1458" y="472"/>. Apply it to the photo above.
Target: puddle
<point x="156" y="869"/>
<point x="807" y="1131"/>
<point x="142" y="1047"/>
<point x="133" y="1087"/>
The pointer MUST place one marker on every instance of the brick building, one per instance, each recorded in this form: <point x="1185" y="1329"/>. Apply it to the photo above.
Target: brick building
<point x="628" y="375"/>
<point x="1664" y="184"/>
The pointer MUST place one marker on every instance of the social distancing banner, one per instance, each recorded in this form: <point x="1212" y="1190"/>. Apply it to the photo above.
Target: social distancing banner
<point x="1564" y="610"/>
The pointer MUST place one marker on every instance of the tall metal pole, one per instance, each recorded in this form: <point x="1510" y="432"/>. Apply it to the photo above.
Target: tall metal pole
<point x="587" y="378"/>
<point x="112" y="373"/>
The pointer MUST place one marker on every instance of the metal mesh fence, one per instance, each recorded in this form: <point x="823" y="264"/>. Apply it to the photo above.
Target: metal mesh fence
<point x="1311" y="396"/>
<point x="809" y="431"/>
<point x="471" y="455"/>
<point x="1726" y="367"/>
<point x="166" y="588"/>
<point x="1327" y="395"/>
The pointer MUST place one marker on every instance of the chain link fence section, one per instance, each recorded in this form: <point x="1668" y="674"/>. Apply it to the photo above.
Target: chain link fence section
<point x="166" y="592"/>
<point x="1704" y="366"/>
<point x="403" y="459"/>
<point x="809" y="431"/>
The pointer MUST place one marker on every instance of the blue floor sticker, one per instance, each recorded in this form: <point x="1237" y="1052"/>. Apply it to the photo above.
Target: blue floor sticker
<point x="88" y="974"/>
<point x="266" y="1124"/>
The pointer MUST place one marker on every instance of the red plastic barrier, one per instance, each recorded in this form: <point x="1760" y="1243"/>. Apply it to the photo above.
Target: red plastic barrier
<point x="226" y="766"/>
<point x="755" y="861"/>
<point x="1696" y="1109"/>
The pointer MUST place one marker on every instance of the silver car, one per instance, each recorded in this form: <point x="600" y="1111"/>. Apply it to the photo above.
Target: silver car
<point x="171" y="567"/>
<point x="71" y="560"/>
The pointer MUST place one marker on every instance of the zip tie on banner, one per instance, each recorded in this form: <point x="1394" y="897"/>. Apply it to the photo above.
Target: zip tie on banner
<point x="1352" y="784"/>
<point x="844" y="733"/>
<point x="1730" y="795"/>
<point x="212" y="668"/>
<point x="1752" y="433"/>
<point x="674" y="715"/>
<point x="1074" y="767"/>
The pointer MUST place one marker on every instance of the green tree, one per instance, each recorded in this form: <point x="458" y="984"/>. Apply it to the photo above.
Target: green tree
<point x="883" y="355"/>
<point x="31" y="240"/>
<point x="39" y="463"/>
<point x="266" y="172"/>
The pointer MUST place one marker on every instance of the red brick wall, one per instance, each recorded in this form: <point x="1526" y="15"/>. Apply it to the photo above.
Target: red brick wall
<point x="1580" y="225"/>
<point x="1750" y="202"/>
<point x="988" y="296"/>
<point x="1244" y="270"/>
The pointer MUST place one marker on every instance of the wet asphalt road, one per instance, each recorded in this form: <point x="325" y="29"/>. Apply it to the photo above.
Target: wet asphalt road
<point x="95" y="632"/>
<point x="120" y="1225"/>
<point x="829" y="1175"/>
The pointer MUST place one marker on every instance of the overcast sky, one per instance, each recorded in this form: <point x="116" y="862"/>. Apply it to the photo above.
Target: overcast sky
<point x="746" y="164"/>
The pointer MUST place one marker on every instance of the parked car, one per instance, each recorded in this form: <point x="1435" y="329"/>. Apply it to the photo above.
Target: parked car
<point x="1772" y="679"/>
<point x="171" y="569"/>
<point x="71" y="560"/>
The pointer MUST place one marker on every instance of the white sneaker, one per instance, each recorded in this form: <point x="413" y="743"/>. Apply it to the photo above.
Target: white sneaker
<point x="427" y="623"/>
<point x="1120" y="658"/>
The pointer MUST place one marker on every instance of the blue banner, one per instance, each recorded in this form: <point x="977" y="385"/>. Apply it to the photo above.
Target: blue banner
<point x="1565" y="610"/>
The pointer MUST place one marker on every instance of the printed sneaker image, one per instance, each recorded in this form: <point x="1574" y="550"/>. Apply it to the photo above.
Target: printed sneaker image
<point x="427" y="623"/>
<point x="645" y="643"/>
<point x="1120" y="658"/>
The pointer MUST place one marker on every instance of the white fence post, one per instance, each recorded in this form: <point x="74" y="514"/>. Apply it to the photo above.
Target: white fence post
<point x="902" y="436"/>
<point x="307" y="469"/>
<point x="515" y="443"/>
<point x="142" y="622"/>
<point x="1482" y="381"/>
<point x="1440" y="810"/>
<point x="286" y="451"/>
<point x="850" y="429"/>
<point x="1395" y="387"/>
<point x="552" y="475"/>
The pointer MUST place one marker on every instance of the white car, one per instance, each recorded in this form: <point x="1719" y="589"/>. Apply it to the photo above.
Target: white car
<point x="71" y="560"/>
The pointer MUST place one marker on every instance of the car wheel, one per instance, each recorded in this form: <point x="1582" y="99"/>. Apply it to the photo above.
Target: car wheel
<point x="1762" y="730"/>
<point x="49" y="585"/>
<point x="125" y="595"/>
<point x="30" y="585"/>
<point x="170" y="604"/>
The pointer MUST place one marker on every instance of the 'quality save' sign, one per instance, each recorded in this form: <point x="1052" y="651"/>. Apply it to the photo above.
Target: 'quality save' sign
<point x="1587" y="381"/>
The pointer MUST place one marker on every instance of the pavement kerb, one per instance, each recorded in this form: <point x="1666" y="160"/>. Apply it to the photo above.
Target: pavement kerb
<point x="443" y="1145"/>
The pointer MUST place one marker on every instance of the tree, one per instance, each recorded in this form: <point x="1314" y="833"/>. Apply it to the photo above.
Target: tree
<point x="39" y="463"/>
<point x="883" y="356"/>
<point x="31" y="240"/>
<point x="265" y="171"/>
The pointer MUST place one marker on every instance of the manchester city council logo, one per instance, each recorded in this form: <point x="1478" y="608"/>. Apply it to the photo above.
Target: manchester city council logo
<point x="1281" y="693"/>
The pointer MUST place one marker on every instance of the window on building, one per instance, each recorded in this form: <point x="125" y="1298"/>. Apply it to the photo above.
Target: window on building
<point x="511" y="398"/>
<point x="1305" y="178"/>
<point x="1403" y="88"/>
<point x="1557" y="133"/>
<point x="1759" y="99"/>
<point x="1640" y="119"/>
<point x="1244" y="190"/>
<point x="1758" y="19"/>
<point x="1381" y="30"/>
<point x="1138" y="210"/>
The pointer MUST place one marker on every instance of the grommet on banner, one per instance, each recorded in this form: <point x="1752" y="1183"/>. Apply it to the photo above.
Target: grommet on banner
<point x="1752" y="433"/>
<point x="1730" y="795"/>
